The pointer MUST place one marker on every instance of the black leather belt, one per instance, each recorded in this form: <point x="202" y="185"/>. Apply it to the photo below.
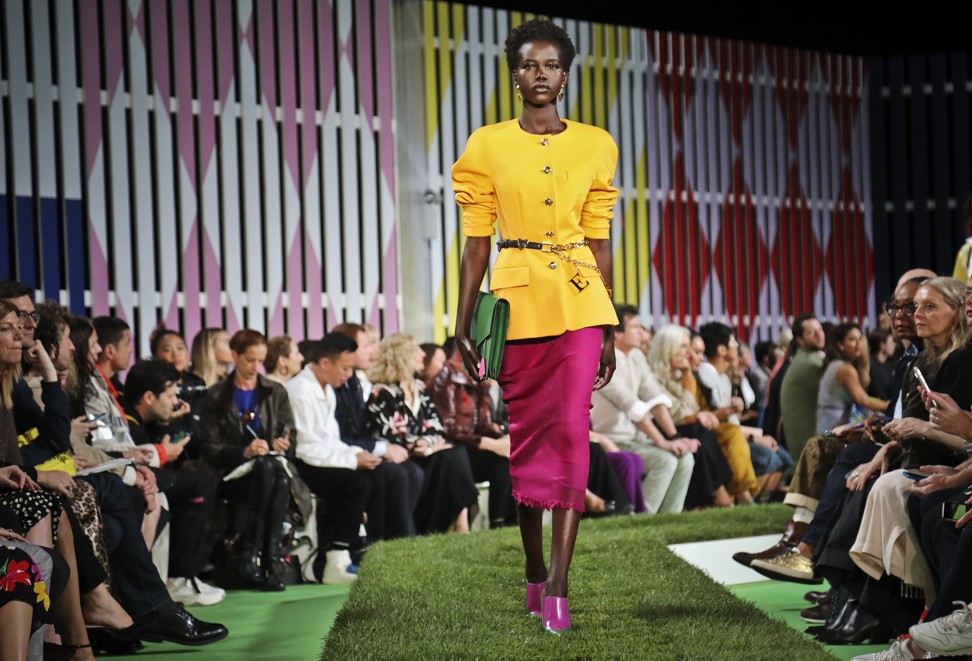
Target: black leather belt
<point x="545" y="246"/>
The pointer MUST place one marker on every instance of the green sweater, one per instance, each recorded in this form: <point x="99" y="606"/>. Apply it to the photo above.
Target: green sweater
<point x="798" y="399"/>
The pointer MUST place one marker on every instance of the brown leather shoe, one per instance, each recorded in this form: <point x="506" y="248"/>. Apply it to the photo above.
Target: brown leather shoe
<point x="791" y="537"/>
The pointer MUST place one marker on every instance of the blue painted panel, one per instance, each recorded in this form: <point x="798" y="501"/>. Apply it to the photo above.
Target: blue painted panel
<point x="6" y="259"/>
<point x="76" y="255"/>
<point x="26" y="260"/>
<point x="50" y="245"/>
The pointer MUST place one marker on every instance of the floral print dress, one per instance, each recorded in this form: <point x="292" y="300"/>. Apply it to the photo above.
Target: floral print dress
<point x="448" y="486"/>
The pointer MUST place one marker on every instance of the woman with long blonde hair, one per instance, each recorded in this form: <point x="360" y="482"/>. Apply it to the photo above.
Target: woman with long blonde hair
<point x="211" y="355"/>
<point x="400" y="411"/>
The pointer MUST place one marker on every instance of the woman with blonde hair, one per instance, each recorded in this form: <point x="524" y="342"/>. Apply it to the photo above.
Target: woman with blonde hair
<point x="669" y="359"/>
<point x="211" y="355"/>
<point x="400" y="411"/>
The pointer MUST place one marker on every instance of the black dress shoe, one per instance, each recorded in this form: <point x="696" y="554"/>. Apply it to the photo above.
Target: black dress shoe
<point x="274" y="581"/>
<point x="173" y="623"/>
<point x="859" y="624"/>
<point x="836" y="611"/>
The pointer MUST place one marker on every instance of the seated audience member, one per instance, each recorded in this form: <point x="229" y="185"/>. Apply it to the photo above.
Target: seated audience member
<point x="739" y="370"/>
<point x="845" y="380"/>
<point x="342" y="474"/>
<point x="211" y="355"/>
<point x="770" y="459"/>
<point x="765" y="356"/>
<point x="671" y="364"/>
<point x="882" y="349"/>
<point x="872" y="526"/>
<point x="819" y="481"/>
<point x="720" y="347"/>
<point x="400" y="411"/>
<point x="464" y="409"/>
<point x="435" y="360"/>
<point x="169" y="345"/>
<point x="403" y="478"/>
<point x="115" y="339"/>
<point x="137" y="582"/>
<point x="623" y="411"/>
<point x="771" y="420"/>
<point x="617" y="490"/>
<point x="150" y="396"/>
<point x="798" y="393"/>
<point x="238" y="416"/>
<point x="33" y="578"/>
<point x="283" y="360"/>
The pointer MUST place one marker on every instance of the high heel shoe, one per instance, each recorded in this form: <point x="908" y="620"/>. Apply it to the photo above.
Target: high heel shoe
<point x="556" y="616"/>
<point x="534" y="600"/>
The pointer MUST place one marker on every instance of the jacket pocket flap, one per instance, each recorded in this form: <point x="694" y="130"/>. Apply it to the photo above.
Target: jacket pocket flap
<point x="513" y="276"/>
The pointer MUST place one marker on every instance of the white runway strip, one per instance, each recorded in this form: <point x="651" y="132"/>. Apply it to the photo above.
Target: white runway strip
<point x="715" y="557"/>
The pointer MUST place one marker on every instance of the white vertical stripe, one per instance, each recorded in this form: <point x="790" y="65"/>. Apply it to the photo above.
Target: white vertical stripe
<point x="349" y="167"/>
<point x="252" y="181"/>
<point x="116" y="134"/>
<point x="142" y="176"/>
<point x="72" y="166"/>
<point x="17" y="95"/>
<point x="168" y="246"/>
<point x="233" y="173"/>
<point x="43" y="102"/>
<point x="370" y="241"/>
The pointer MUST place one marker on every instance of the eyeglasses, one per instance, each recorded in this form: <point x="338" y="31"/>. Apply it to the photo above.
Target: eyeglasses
<point x="33" y="316"/>
<point x="893" y="309"/>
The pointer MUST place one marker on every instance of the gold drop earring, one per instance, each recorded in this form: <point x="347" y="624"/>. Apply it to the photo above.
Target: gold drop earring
<point x="560" y="94"/>
<point x="519" y="96"/>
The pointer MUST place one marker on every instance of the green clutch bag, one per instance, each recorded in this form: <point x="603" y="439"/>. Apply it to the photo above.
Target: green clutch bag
<point x="491" y="318"/>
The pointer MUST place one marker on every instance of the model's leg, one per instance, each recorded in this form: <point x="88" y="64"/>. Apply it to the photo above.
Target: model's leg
<point x="565" y="523"/>
<point x="531" y="532"/>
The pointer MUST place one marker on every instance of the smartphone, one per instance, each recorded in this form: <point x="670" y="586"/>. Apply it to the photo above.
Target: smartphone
<point x="954" y="511"/>
<point x="924" y="384"/>
<point x="915" y="474"/>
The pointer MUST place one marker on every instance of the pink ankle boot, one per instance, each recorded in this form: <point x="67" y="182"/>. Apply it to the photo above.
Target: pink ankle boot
<point x="534" y="597"/>
<point x="556" y="616"/>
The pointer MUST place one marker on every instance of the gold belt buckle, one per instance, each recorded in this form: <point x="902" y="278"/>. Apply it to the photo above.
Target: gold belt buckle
<point x="546" y="246"/>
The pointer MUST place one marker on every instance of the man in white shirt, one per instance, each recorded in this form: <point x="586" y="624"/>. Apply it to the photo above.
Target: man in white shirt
<point x="624" y="409"/>
<point x="333" y="470"/>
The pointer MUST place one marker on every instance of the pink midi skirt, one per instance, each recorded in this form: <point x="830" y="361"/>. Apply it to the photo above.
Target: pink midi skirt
<point x="547" y="389"/>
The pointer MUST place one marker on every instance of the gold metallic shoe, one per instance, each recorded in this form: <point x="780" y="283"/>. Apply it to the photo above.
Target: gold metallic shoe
<point x="790" y="566"/>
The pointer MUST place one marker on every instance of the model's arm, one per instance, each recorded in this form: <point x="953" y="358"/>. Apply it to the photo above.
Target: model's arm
<point x="602" y="257"/>
<point x="475" y="257"/>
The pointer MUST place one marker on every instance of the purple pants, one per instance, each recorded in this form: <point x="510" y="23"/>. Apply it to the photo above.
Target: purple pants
<point x="630" y="468"/>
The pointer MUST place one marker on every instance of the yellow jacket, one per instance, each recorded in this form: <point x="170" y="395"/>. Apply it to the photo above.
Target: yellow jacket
<point x="553" y="188"/>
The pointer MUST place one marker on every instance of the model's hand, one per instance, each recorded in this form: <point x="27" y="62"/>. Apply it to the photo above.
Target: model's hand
<point x="608" y="362"/>
<point x="56" y="481"/>
<point x="902" y="428"/>
<point x="471" y="358"/>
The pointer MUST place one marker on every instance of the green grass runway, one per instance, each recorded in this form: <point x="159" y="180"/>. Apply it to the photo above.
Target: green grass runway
<point x="460" y="597"/>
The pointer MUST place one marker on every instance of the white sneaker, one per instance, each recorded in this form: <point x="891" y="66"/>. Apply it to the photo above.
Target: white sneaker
<point x="949" y="635"/>
<point x="899" y="651"/>
<point x="336" y="568"/>
<point x="193" y="592"/>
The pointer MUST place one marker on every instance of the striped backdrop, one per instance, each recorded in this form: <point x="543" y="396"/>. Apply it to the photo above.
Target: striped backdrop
<point x="201" y="163"/>
<point x="743" y="168"/>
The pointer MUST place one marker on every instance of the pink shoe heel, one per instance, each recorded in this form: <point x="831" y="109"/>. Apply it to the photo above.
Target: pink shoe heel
<point x="534" y="598"/>
<point x="556" y="616"/>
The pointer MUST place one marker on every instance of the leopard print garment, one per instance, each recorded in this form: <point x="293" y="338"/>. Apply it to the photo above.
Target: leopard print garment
<point x="84" y="504"/>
